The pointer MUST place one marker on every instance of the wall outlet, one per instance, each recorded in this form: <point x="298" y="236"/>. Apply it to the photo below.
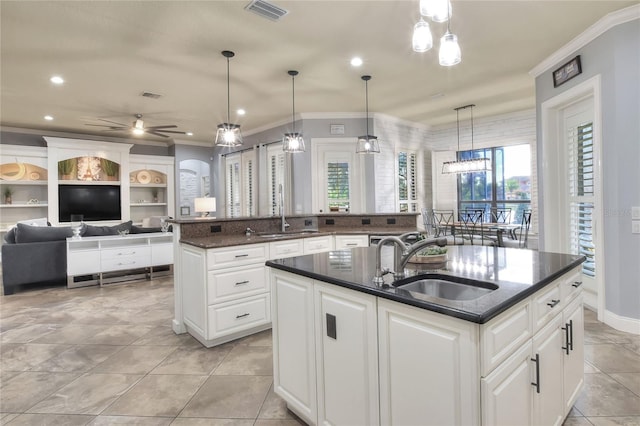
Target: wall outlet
<point x="216" y="228"/>
<point x="366" y="221"/>
<point x="635" y="226"/>
<point x="635" y="213"/>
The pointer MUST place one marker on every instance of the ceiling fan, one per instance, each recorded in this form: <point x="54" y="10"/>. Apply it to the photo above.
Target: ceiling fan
<point x="138" y="128"/>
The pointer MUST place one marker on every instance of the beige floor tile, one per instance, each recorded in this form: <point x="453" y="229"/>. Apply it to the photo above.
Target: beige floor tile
<point x="615" y="421"/>
<point x="119" y="335"/>
<point x="5" y="418"/>
<point x="193" y="360"/>
<point x="611" y="358"/>
<point x="278" y="422"/>
<point x="23" y="357"/>
<point x="27" y="389"/>
<point x="247" y="360"/>
<point x="50" y="420"/>
<point x="225" y="397"/>
<point x="134" y="360"/>
<point x="80" y="358"/>
<point x="263" y="338"/>
<point x="72" y="334"/>
<point x="27" y="333"/>
<point x="160" y="395"/>
<point x="633" y="345"/>
<point x="576" y="421"/>
<point x="164" y="336"/>
<point x="603" y="396"/>
<point x="574" y="412"/>
<point x="89" y="394"/>
<point x="130" y="421"/>
<point x="181" y="421"/>
<point x="629" y="380"/>
<point x="590" y="368"/>
<point x="274" y="407"/>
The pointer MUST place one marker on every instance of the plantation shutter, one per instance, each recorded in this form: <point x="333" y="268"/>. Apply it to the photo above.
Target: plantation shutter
<point x="338" y="190"/>
<point x="248" y="183"/>
<point x="233" y="189"/>
<point x="275" y="160"/>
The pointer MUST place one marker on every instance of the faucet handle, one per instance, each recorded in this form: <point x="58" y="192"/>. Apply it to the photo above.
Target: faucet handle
<point x="248" y="232"/>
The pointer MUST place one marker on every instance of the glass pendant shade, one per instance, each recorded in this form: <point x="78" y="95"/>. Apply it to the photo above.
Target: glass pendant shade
<point x="228" y="135"/>
<point x="367" y="144"/>
<point x="422" y="38"/>
<point x="450" y="53"/>
<point x="437" y="10"/>
<point x="293" y="142"/>
<point x="467" y="166"/>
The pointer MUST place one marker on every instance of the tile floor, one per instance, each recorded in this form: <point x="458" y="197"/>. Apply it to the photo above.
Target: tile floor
<point x="104" y="356"/>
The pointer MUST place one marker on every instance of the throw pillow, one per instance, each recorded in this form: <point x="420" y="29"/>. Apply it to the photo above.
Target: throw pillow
<point x="143" y="230"/>
<point x="37" y="234"/>
<point x="99" y="231"/>
<point x="36" y="222"/>
<point x="10" y="236"/>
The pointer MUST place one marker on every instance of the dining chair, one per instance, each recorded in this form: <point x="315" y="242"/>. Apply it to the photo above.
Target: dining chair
<point x="472" y="225"/>
<point x="443" y="222"/>
<point x="428" y="222"/>
<point x="522" y="232"/>
<point x="500" y="215"/>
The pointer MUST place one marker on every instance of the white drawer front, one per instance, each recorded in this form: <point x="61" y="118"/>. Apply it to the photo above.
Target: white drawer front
<point x="238" y="255"/>
<point x="572" y="285"/>
<point x="287" y="248"/>
<point x="86" y="262"/>
<point x="125" y="262"/>
<point x="126" y="252"/>
<point x="503" y="335"/>
<point x="546" y="305"/>
<point x="162" y="254"/>
<point x="350" y="241"/>
<point x="238" y="282"/>
<point x="232" y="317"/>
<point x="318" y="244"/>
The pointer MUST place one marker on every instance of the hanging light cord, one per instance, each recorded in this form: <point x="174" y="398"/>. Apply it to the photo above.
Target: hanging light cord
<point x="228" y="94"/>
<point x="458" y="126"/>
<point x="293" y="102"/>
<point x="366" y="97"/>
<point x="472" y="155"/>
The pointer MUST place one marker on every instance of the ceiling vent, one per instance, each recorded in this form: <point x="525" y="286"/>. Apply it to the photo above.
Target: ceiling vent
<point x="151" y="95"/>
<point x="266" y="10"/>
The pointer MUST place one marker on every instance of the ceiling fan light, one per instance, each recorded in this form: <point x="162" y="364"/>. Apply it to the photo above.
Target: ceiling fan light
<point x="228" y="135"/>
<point x="293" y="142"/>
<point x="450" y="53"/>
<point x="422" y="39"/>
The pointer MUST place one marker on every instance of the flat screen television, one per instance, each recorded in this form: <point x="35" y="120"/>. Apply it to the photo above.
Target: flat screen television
<point x="94" y="202"/>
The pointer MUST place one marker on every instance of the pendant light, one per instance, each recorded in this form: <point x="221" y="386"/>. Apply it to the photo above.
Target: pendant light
<point x="293" y="142"/>
<point x="228" y="134"/>
<point x="367" y="144"/>
<point x="466" y="166"/>
<point x="437" y="10"/>
<point x="449" y="48"/>
<point x="422" y="39"/>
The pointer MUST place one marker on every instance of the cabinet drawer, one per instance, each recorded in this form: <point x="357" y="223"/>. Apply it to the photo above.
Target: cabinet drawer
<point x="572" y="285"/>
<point x="125" y="262"/>
<point x="318" y="244"/>
<point x="238" y="255"/>
<point x="238" y="282"/>
<point x="503" y="335"/>
<point x="161" y="254"/>
<point x="125" y="252"/>
<point x="287" y="248"/>
<point x="232" y="317"/>
<point x="546" y="305"/>
<point x="350" y="241"/>
<point x="86" y="262"/>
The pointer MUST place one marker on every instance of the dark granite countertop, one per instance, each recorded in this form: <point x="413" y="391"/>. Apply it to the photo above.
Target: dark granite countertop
<point x="226" y="240"/>
<point x="517" y="272"/>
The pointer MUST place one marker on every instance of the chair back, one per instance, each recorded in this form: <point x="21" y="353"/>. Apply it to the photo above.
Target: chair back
<point x="442" y="222"/>
<point x="472" y="221"/>
<point x="427" y="221"/>
<point x="525" y="224"/>
<point x="501" y="215"/>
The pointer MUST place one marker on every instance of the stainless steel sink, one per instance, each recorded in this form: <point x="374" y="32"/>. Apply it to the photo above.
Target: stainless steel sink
<point x="445" y="287"/>
<point x="288" y="234"/>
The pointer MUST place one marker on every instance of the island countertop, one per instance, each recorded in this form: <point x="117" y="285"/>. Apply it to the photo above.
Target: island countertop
<point x="518" y="273"/>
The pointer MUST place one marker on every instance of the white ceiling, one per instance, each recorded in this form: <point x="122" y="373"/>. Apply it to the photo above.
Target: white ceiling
<point x="109" y="52"/>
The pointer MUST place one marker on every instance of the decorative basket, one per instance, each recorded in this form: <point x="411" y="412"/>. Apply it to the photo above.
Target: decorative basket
<point x="432" y="258"/>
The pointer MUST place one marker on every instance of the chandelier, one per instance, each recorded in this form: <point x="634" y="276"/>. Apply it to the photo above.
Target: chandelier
<point x="422" y="40"/>
<point x="466" y="166"/>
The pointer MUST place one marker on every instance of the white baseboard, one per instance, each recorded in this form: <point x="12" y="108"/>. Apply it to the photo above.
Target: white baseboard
<point x="628" y="325"/>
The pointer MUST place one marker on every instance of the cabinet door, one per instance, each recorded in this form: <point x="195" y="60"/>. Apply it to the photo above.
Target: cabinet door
<point x="294" y="368"/>
<point x="347" y="367"/>
<point x="574" y="359"/>
<point x="351" y="241"/>
<point x="547" y="399"/>
<point x="507" y="394"/>
<point x="428" y="367"/>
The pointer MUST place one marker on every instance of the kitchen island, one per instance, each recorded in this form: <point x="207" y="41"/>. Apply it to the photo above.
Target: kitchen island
<point x="347" y="351"/>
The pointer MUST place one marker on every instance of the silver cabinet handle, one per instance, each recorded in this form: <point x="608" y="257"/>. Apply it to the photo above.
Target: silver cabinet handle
<point x="242" y="282"/>
<point x="126" y="263"/>
<point x="126" y="254"/>
<point x="537" y="382"/>
<point x="576" y="284"/>
<point x="242" y="316"/>
<point x="553" y="303"/>
<point x="241" y="255"/>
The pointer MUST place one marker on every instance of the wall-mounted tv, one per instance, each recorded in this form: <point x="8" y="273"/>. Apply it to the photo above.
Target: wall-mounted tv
<point x="94" y="202"/>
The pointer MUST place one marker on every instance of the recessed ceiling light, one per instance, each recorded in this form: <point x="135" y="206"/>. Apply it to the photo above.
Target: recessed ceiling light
<point x="189" y="133"/>
<point x="56" y="79"/>
<point x="241" y="112"/>
<point x="356" y="62"/>
<point x="48" y="117"/>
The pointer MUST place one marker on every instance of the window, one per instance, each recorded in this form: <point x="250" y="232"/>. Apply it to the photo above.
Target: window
<point x="407" y="184"/>
<point x="275" y="167"/>
<point x="233" y="185"/>
<point x="506" y="186"/>
<point x="338" y="186"/>
<point x="240" y="183"/>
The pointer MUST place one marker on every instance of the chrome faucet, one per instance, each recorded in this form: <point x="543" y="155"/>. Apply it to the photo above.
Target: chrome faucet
<point x="403" y="252"/>
<point x="283" y="223"/>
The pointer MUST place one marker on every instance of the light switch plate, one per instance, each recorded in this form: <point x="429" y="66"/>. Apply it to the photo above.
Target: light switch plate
<point x="635" y="226"/>
<point x="635" y="213"/>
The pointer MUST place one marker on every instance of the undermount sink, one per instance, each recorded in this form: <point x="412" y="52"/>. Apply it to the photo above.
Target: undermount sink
<point x="287" y="234"/>
<point x="445" y="287"/>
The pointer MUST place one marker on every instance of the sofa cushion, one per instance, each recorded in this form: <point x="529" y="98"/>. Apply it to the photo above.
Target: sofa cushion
<point x="42" y="221"/>
<point x="36" y="234"/>
<point x="10" y="236"/>
<point x="143" y="230"/>
<point x="99" y="231"/>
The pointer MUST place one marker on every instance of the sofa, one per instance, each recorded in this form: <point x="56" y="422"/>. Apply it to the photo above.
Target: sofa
<point x="38" y="254"/>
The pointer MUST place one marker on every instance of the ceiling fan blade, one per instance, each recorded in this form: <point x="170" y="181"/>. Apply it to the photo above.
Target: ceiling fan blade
<point x="113" y="122"/>
<point x="172" y="131"/>
<point x="151" y="132"/>
<point x="104" y="125"/>
<point x="170" y="126"/>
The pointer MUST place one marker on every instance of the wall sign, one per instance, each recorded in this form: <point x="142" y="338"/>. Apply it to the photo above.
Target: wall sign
<point x="567" y="71"/>
<point x="337" y="129"/>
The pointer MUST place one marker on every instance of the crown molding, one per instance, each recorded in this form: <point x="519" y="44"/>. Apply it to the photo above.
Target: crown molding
<point x="609" y="21"/>
<point x="82" y="136"/>
<point x="204" y="144"/>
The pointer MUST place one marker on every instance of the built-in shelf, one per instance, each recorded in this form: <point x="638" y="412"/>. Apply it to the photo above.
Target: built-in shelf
<point x="22" y="205"/>
<point x="148" y="185"/>
<point x="147" y="204"/>
<point x="88" y="182"/>
<point x="23" y="182"/>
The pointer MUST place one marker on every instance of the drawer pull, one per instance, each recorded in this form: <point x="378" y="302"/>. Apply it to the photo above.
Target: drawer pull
<point x="241" y="255"/>
<point x="537" y="382"/>
<point x="553" y="303"/>
<point x="566" y="329"/>
<point x="570" y="327"/>
<point x="243" y="315"/>
<point x="242" y="282"/>
<point x="127" y="263"/>
<point x="126" y="254"/>
<point x="576" y="284"/>
<point x="351" y="244"/>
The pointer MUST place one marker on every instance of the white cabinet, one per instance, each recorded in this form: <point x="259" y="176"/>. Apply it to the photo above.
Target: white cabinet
<point x="428" y="367"/>
<point x="347" y="364"/>
<point x="547" y="353"/>
<point x="99" y="255"/>
<point x="351" y="241"/>
<point x="318" y="244"/>
<point x="573" y="324"/>
<point x="294" y="354"/>
<point x="287" y="248"/>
